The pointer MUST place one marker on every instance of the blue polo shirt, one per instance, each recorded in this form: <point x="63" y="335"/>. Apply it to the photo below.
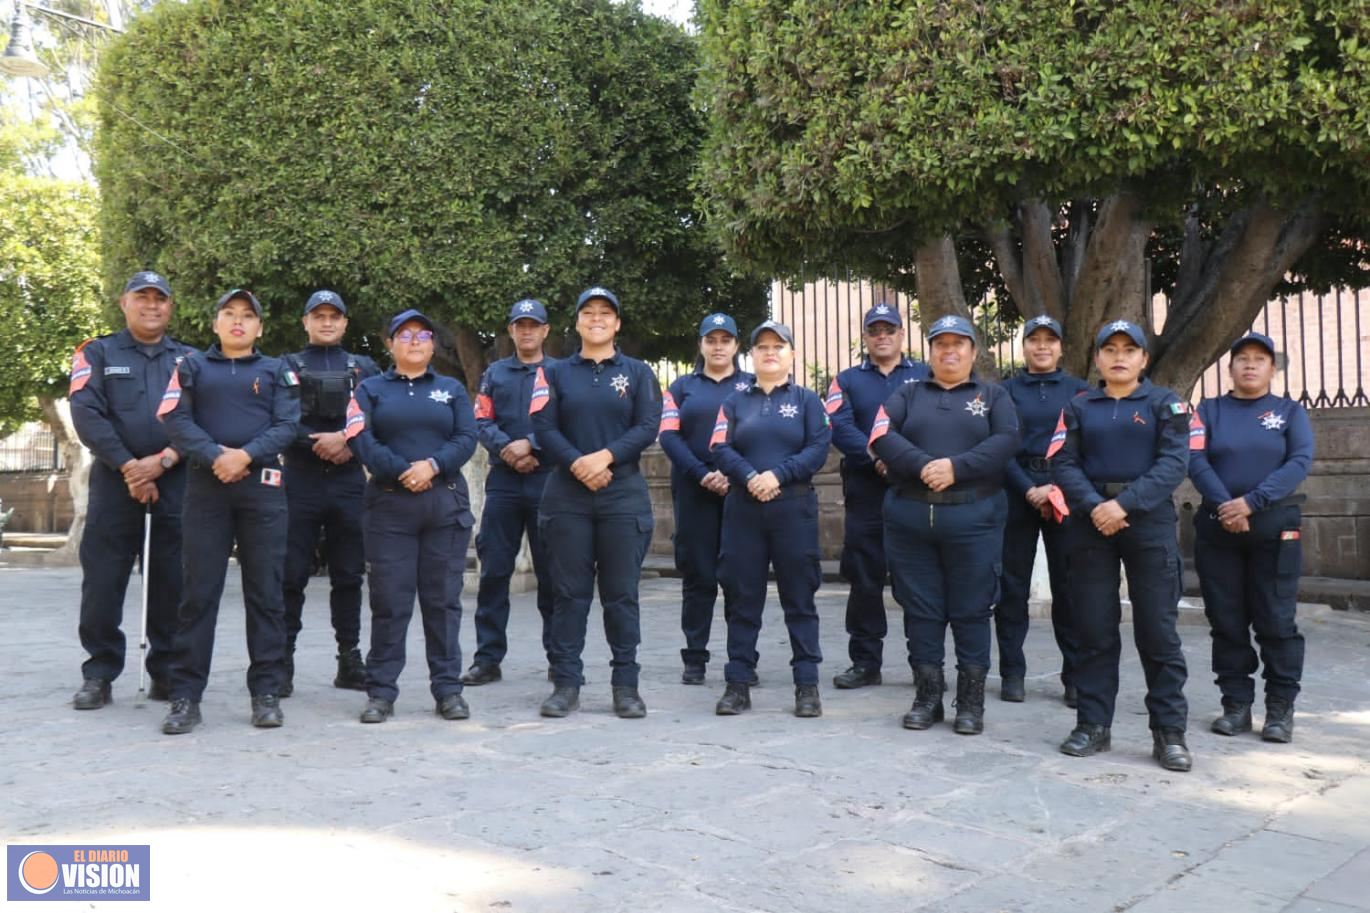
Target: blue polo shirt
<point x="1257" y="449"/>
<point x="687" y="419"/>
<point x="1141" y="439"/>
<point x="394" y="421"/>
<point x="214" y="402"/>
<point x="1039" y="399"/>
<point x="582" y="406"/>
<point x="502" y="408"/>
<point x="115" y="389"/>
<point x="856" y="395"/>
<point x="973" y="424"/>
<point x="785" y="432"/>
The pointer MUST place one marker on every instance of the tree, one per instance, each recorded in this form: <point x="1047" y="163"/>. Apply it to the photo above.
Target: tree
<point x="1048" y="151"/>
<point x="412" y="153"/>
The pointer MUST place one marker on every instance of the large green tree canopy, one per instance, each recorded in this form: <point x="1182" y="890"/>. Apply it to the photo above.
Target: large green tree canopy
<point x="1047" y="149"/>
<point x="451" y="156"/>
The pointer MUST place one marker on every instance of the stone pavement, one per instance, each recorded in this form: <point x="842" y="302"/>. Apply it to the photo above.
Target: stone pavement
<point x="682" y="811"/>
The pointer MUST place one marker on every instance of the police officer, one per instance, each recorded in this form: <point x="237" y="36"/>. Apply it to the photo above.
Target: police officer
<point x="513" y="490"/>
<point x="324" y="488"/>
<point x="854" y="397"/>
<point x="232" y="411"/>
<point x="770" y="440"/>
<point x="945" y="443"/>
<point x="698" y="486"/>
<point x="593" y="415"/>
<point x="414" y="429"/>
<point x="1039" y="392"/>
<point x="116" y="384"/>
<point x="1118" y="453"/>
<point x="1249" y="452"/>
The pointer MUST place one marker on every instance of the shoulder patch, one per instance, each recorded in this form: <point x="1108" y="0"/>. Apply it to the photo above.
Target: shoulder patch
<point x="289" y="378"/>
<point x="1179" y="408"/>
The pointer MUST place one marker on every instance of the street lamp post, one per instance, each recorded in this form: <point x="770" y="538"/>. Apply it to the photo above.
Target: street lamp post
<point x="19" y="58"/>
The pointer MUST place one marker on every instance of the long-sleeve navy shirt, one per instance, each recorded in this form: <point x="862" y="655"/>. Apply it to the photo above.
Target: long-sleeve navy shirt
<point x="583" y="406"/>
<point x="394" y="421"/>
<point x="785" y="432"/>
<point x="1039" y="399"/>
<point x="214" y="402"/>
<point x="502" y="408"/>
<point x="1141" y="439"/>
<point x="687" y="419"/>
<point x="856" y="395"/>
<point x="116" y="387"/>
<point x="324" y="360"/>
<point x="1257" y="449"/>
<point x="973" y="424"/>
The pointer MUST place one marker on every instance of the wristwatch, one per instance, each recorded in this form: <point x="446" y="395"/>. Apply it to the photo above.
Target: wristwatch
<point x="168" y="458"/>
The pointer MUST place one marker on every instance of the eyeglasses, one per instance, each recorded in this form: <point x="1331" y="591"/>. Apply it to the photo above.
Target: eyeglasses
<point x="408" y="336"/>
<point x="881" y="330"/>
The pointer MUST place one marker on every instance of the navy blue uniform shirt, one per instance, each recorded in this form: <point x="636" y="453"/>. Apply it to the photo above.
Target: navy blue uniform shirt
<point x="785" y="432"/>
<point x="116" y="386"/>
<point x="1039" y="399"/>
<point x="687" y="419"/>
<point x="854" y="398"/>
<point x="1141" y="439"/>
<point x="585" y="406"/>
<point x="1257" y="449"/>
<point x="324" y="360"/>
<point x="250" y="403"/>
<point x="973" y="424"/>
<point x="502" y="407"/>
<point x="395" y="421"/>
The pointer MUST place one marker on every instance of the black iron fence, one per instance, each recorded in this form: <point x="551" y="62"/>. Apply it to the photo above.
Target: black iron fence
<point x="33" y="448"/>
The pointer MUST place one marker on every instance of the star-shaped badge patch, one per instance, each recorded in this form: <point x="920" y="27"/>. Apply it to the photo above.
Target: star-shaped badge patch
<point x="440" y="396"/>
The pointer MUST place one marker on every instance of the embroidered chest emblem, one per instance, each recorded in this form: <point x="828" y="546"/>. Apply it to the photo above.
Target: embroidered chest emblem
<point x="789" y="410"/>
<point x="740" y="386"/>
<point x="440" y="396"/>
<point x="1271" y="422"/>
<point x="977" y="407"/>
<point x="1137" y="418"/>
<point x="620" y="385"/>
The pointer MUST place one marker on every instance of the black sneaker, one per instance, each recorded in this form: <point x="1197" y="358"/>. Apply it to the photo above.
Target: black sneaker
<point x="266" y="711"/>
<point x="482" y="674"/>
<point x="93" y="694"/>
<point x="806" y="702"/>
<point x="351" y="670"/>
<point x="453" y="707"/>
<point x="856" y="677"/>
<point x="736" y="698"/>
<point x="183" y="716"/>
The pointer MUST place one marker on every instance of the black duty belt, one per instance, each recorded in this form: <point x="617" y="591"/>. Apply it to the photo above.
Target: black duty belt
<point x="1036" y="464"/>
<point x="1111" y="489"/>
<point x="397" y="487"/>
<point x="1291" y="501"/>
<point x="964" y="496"/>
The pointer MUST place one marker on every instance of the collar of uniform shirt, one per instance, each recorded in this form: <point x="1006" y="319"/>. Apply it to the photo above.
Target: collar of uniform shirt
<point x="1100" y="392"/>
<point x="756" y="386"/>
<point x="968" y="382"/>
<point x="868" y="365"/>
<point x="392" y="374"/>
<point x="217" y="354"/>
<point x="614" y="359"/>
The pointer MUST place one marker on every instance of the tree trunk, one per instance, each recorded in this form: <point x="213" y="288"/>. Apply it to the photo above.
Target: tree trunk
<point x="57" y="413"/>
<point x="471" y="354"/>
<point x="940" y="293"/>
<point x="1111" y="280"/>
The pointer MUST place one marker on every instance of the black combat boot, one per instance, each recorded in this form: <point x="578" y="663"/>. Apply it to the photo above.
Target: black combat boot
<point x="1170" y="750"/>
<point x="806" y="702"/>
<point x="927" y="703"/>
<point x="93" y="694"/>
<point x="628" y="704"/>
<point x="1087" y="739"/>
<point x="183" y="716"/>
<point x="266" y="711"/>
<point x="1013" y="689"/>
<point x="1236" y="718"/>
<point x="1279" y="721"/>
<point x="377" y="710"/>
<point x="736" y="698"/>
<point x="857" y="676"/>
<point x="351" y="670"/>
<point x="970" y="700"/>
<point x="563" y="700"/>
<point x="288" y="673"/>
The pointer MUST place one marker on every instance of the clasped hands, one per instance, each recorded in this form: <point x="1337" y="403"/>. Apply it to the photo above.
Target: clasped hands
<point x="1235" y="515"/>
<point x="141" y="475"/>
<point x="593" y="470"/>
<point x="518" y="456"/>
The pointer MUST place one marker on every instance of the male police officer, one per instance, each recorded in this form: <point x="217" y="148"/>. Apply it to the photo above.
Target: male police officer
<point x="324" y="487"/>
<point x="854" y="397"/>
<point x="116" y="384"/>
<point x="513" y="489"/>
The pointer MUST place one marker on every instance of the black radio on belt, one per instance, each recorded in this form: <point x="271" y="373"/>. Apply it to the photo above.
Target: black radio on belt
<point x="325" y="394"/>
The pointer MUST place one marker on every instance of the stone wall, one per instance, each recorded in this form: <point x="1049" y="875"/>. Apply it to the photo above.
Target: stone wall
<point x="41" y="501"/>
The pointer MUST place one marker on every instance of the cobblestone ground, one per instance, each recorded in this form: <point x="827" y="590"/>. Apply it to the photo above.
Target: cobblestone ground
<point x="682" y="811"/>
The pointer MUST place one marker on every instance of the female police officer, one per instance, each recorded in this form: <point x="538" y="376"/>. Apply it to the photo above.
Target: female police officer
<point x="1039" y="392"/>
<point x="1119" y="451"/>
<point x="1249" y="452"/>
<point x="413" y="429"/>
<point x="769" y="440"/>
<point x="593" y="414"/>
<point x="697" y="485"/>
<point x="945" y="442"/>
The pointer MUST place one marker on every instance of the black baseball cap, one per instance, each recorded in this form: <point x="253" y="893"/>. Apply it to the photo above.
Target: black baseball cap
<point x="324" y="296"/>
<point x="245" y="295"/>
<point x="148" y="279"/>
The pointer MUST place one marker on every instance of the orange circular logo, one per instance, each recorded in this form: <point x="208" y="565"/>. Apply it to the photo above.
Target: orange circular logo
<point x="38" y="872"/>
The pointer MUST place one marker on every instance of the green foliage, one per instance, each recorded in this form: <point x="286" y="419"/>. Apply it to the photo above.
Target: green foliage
<point x="450" y="156"/>
<point x="49" y="288"/>
<point x="845" y="132"/>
